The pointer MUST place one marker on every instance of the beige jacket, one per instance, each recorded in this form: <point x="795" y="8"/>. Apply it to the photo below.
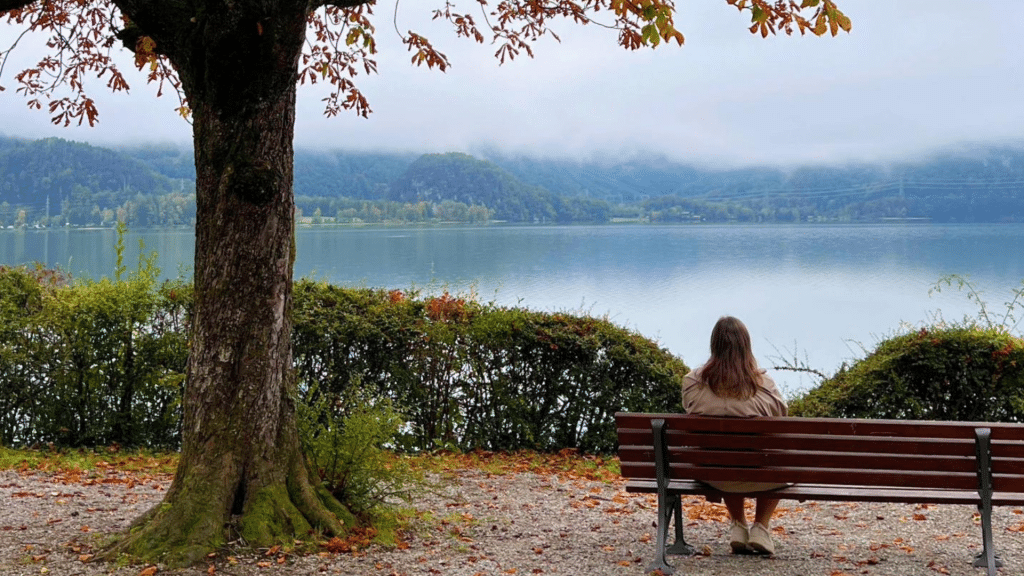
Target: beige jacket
<point x="699" y="399"/>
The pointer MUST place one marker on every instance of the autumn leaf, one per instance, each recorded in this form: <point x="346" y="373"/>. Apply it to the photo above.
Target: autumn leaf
<point x="148" y="571"/>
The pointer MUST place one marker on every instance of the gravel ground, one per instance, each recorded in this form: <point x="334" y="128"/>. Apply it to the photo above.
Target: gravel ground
<point x="523" y="524"/>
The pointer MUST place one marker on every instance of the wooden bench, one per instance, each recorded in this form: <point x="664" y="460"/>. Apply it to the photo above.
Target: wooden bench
<point x="827" y="459"/>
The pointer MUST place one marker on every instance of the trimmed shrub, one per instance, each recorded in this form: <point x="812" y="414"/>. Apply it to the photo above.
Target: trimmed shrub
<point x="91" y="363"/>
<point x="963" y="373"/>
<point x="471" y="375"/>
<point x="98" y="363"/>
<point x="24" y="347"/>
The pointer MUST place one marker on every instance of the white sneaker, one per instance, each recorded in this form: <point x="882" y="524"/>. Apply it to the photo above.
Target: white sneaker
<point x="738" y="536"/>
<point x="760" y="540"/>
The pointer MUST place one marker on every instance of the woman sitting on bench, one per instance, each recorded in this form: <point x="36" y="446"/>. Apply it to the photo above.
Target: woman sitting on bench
<point x="731" y="384"/>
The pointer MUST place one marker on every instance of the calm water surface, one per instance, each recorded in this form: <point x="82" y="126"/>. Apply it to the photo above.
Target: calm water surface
<point x="821" y="291"/>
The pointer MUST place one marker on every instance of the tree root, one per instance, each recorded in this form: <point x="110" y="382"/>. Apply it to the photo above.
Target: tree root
<point x="190" y="524"/>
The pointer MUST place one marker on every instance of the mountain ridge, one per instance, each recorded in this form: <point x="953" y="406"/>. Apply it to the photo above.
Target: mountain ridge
<point x="978" y="184"/>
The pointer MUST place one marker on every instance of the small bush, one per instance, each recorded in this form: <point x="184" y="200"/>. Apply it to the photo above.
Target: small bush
<point x="964" y="373"/>
<point x="347" y="440"/>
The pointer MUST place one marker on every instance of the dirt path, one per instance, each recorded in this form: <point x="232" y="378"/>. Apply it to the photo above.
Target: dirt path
<point x="516" y="524"/>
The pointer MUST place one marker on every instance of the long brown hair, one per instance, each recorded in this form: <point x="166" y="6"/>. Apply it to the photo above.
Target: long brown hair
<point x="732" y="371"/>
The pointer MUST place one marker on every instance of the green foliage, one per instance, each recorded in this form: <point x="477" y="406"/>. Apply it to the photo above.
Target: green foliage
<point x="24" y="348"/>
<point x="346" y="441"/>
<point x="85" y="185"/>
<point x="101" y="362"/>
<point x="965" y="373"/>
<point x="462" y="179"/>
<point x="474" y="375"/>
<point x="1006" y="322"/>
<point x="94" y="362"/>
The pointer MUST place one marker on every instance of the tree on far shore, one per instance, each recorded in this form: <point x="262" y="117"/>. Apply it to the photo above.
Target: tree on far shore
<point x="235" y="67"/>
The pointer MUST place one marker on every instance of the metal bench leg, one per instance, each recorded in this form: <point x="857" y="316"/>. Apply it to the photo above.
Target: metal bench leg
<point x="987" y="559"/>
<point x="680" y="547"/>
<point x="665" y="511"/>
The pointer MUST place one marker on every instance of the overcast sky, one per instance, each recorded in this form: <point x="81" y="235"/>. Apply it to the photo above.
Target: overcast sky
<point x="913" y="76"/>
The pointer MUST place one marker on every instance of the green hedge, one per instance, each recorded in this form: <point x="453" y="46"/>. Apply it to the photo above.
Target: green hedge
<point x="471" y="375"/>
<point x="963" y="373"/>
<point x="90" y="363"/>
<point x="98" y="363"/>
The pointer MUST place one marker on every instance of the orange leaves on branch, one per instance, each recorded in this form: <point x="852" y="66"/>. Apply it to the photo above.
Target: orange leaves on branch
<point x="769" y="17"/>
<point x="447" y="308"/>
<point x="515" y="25"/>
<point x="340" y="44"/>
<point x="144" y="53"/>
<point x="80" y="44"/>
<point x="424" y="52"/>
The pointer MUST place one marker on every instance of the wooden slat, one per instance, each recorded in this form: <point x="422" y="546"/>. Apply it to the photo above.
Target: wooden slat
<point x="965" y="446"/>
<point x="1007" y="449"/>
<point x="830" y="493"/>
<point x="815" y="458"/>
<point x="834" y="443"/>
<point x="1008" y="466"/>
<point x="837" y="461"/>
<point x="910" y="479"/>
<point x="961" y="481"/>
<point x="925" y="428"/>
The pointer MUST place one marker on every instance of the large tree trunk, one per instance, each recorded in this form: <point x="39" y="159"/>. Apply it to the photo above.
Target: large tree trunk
<point x="241" y="473"/>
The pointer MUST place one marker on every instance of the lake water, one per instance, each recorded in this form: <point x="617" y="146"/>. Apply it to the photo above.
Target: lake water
<point x="822" y="291"/>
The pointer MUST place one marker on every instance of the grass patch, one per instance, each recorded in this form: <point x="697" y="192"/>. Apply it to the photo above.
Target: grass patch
<point x="565" y="463"/>
<point x="77" y="460"/>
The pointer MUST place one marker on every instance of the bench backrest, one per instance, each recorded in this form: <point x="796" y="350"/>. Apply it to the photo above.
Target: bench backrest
<point x="877" y="453"/>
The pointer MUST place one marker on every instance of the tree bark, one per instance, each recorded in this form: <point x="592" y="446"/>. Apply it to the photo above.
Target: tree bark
<point x="241" y="472"/>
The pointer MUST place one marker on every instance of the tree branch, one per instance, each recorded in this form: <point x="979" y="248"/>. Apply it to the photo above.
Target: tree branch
<point x="165" y="23"/>
<point x="314" y="4"/>
<point x="6" y="5"/>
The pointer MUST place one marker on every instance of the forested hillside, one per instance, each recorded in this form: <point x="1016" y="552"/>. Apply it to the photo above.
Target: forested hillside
<point x="981" y="184"/>
<point x="463" y="179"/>
<point x="55" y="182"/>
<point x="153" y="186"/>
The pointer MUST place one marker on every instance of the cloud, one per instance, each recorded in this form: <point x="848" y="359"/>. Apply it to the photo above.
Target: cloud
<point x="913" y="76"/>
